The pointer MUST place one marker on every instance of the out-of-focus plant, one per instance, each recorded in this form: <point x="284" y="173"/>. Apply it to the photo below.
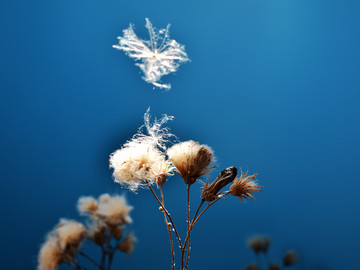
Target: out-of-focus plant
<point x="146" y="160"/>
<point x="260" y="245"/>
<point x="108" y="215"/>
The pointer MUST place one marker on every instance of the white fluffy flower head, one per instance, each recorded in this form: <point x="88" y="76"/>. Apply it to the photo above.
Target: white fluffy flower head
<point x="159" y="56"/>
<point x="115" y="211"/>
<point x="142" y="158"/>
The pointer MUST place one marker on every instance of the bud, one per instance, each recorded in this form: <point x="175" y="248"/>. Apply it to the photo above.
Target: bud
<point x="255" y="243"/>
<point x="211" y="192"/>
<point x="127" y="245"/>
<point x="160" y="179"/>
<point x="116" y="231"/>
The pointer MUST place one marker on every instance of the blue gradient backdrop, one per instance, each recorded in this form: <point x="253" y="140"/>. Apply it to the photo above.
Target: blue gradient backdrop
<point x="273" y="87"/>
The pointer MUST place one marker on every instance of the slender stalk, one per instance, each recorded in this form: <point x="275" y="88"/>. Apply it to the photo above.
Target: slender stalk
<point x="189" y="245"/>
<point x="169" y="230"/>
<point x="103" y="257"/>
<point x="188" y="227"/>
<point x="189" y="231"/>
<point x="166" y="212"/>
<point x="111" y="256"/>
<point x="90" y="259"/>
<point x="210" y="204"/>
<point x="202" y="212"/>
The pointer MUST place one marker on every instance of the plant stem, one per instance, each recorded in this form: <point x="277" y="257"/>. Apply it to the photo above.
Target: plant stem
<point x="90" y="259"/>
<point x="111" y="256"/>
<point x="202" y="212"/>
<point x="189" y="246"/>
<point x="169" y="230"/>
<point x="188" y="227"/>
<point x="189" y="231"/>
<point x="166" y="212"/>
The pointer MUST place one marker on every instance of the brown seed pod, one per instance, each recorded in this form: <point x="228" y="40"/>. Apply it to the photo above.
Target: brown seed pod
<point x="211" y="192"/>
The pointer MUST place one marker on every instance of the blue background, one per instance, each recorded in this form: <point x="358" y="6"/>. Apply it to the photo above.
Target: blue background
<point x="272" y="87"/>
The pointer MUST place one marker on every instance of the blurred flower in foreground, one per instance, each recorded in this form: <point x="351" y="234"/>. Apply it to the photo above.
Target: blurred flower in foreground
<point x="159" y="56"/>
<point x="109" y="216"/>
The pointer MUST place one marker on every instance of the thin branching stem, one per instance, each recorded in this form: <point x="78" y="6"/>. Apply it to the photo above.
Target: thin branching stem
<point x="210" y="204"/>
<point x="188" y="227"/>
<point x="169" y="229"/>
<point x="189" y="231"/>
<point x="90" y="259"/>
<point x="189" y="245"/>
<point x="111" y="256"/>
<point x="202" y="212"/>
<point x="166" y="212"/>
<point x="103" y="256"/>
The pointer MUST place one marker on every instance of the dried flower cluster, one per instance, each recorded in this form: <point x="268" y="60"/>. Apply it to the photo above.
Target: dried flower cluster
<point x="109" y="216"/>
<point x="260" y="244"/>
<point x="147" y="160"/>
<point x="158" y="56"/>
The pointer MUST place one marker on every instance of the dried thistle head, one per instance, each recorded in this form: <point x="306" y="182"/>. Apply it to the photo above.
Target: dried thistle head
<point x="211" y="192"/>
<point x="191" y="159"/>
<point x="87" y="205"/>
<point x="96" y="232"/>
<point x="290" y="257"/>
<point x="50" y="255"/>
<point x="116" y="231"/>
<point x="256" y="243"/>
<point x="244" y="186"/>
<point x="114" y="211"/>
<point x="142" y="158"/>
<point x="70" y="233"/>
<point x="128" y="244"/>
<point x="259" y="243"/>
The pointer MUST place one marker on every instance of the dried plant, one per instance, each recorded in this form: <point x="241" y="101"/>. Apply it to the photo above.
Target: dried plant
<point x="142" y="161"/>
<point x="159" y="56"/>
<point x="108" y="216"/>
<point x="260" y="245"/>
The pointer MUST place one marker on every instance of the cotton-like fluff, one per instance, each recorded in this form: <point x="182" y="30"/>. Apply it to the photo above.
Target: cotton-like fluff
<point x="87" y="205"/>
<point x="70" y="234"/>
<point x="128" y="244"/>
<point x="50" y="255"/>
<point x="137" y="163"/>
<point x="115" y="211"/>
<point x="191" y="159"/>
<point x="142" y="158"/>
<point x="103" y="198"/>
